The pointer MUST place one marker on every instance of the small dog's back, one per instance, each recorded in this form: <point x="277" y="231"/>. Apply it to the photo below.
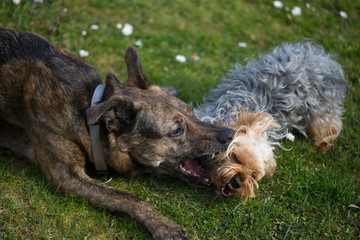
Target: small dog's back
<point x="297" y="85"/>
<point x="300" y="85"/>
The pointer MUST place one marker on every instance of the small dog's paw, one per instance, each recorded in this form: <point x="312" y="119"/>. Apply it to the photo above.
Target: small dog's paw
<point x="171" y="231"/>
<point x="323" y="146"/>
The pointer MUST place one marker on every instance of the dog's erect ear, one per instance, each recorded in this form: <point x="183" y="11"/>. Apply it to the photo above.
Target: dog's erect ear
<point x="112" y="83"/>
<point x="136" y="76"/>
<point x="118" y="112"/>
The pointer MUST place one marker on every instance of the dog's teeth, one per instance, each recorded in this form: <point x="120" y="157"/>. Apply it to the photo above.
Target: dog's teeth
<point x="231" y="188"/>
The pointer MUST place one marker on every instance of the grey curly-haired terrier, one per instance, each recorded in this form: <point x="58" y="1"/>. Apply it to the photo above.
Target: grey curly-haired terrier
<point x="297" y="86"/>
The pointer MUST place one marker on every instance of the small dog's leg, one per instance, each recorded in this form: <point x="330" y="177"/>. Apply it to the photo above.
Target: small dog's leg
<point x="324" y="130"/>
<point x="62" y="161"/>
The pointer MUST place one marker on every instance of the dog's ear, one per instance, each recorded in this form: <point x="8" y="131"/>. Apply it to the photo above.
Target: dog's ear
<point x="118" y="113"/>
<point x="136" y="75"/>
<point x="112" y="83"/>
<point x="262" y="121"/>
<point x="257" y="121"/>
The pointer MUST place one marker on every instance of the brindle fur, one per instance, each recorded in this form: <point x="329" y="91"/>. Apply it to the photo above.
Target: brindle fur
<point x="45" y="94"/>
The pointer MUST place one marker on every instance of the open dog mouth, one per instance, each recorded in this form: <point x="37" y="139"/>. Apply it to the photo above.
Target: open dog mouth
<point x="197" y="170"/>
<point x="226" y="189"/>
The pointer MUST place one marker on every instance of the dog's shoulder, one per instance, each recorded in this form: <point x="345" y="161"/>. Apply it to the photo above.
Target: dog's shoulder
<point x="24" y="46"/>
<point x="29" y="50"/>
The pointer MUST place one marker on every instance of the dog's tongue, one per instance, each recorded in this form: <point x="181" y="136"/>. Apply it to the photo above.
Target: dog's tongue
<point x="192" y="166"/>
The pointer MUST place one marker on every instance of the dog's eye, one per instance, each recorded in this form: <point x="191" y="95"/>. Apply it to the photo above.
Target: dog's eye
<point x="236" y="158"/>
<point x="177" y="132"/>
<point x="242" y="130"/>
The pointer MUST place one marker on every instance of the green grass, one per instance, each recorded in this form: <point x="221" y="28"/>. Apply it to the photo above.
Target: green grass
<point x="310" y="193"/>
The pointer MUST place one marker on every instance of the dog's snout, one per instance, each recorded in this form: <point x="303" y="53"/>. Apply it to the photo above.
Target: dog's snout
<point x="236" y="182"/>
<point x="226" y="135"/>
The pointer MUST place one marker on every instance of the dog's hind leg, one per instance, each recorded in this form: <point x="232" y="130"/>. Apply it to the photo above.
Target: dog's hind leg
<point x="15" y="139"/>
<point x="62" y="161"/>
<point x="324" y="130"/>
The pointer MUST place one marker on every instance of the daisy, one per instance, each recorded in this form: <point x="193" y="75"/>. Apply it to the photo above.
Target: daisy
<point x="290" y="137"/>
<point x="83" y="53"/>
<point x="180" y="58"/>
<point x="296" y="11"/>
<point x="195" y="58"/>
<point x="138" y="43"/>
<point x="343" y="14"/>
<point x="119" y="26"/>
<point x="94" y="27"/>
<point x="127" y="29"/>
<point x="16" y="2"/>
<point x="278" y="4"/>
<point x="242" y="45"/>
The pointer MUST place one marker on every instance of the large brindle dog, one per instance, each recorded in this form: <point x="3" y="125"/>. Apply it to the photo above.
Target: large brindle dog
<point x="46" y="110"/>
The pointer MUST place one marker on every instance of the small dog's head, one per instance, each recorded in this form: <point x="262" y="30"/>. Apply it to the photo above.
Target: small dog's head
<point x="248" y="158"/>
<point x="146" y="129"/>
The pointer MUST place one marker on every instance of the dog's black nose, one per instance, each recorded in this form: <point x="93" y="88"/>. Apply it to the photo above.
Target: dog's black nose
<point x="226" y="135"/>
<point x="236" y="182"/>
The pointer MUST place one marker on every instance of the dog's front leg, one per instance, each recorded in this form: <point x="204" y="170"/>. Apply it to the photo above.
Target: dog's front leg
<point x="62" y="161"/>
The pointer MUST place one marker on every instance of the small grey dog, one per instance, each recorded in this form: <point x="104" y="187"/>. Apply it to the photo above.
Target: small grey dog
<point x="297" y="86"/>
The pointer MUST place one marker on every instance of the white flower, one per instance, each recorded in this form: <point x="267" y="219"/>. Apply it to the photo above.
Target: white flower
<point x="278" y="4"/>
<point x="290" y="137"/>
<point x="94" y="27"/>
<point x="180" y="58"/>
<point x="65" y="10"/>
<point x="195" y="58"/>
<point x="242" y="44"/>
<point x="308" y="5"/>
<point x="138" y="43"/>
<point x="296" y="11"/>
<point x="83" y="33"/>
<point x="128" y="29"/>
<point x="83" y="53"/>
<point x="16" y="2"/>
<point x="119" y="26"/>
<point x="343" y="14"/>
<point x="38" y="1"/>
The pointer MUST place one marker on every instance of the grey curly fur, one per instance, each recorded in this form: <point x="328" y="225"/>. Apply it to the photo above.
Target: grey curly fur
<point x="293" y="83"/>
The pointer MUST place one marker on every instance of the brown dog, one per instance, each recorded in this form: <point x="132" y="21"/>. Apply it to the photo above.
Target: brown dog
<point x="45" y="96"/>
<point x="249" y="157"/>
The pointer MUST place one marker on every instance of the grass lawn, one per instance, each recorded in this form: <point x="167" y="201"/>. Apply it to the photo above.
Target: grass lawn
<point x="309" y="196"/>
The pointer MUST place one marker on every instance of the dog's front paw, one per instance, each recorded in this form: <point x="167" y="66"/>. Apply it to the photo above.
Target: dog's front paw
<point x="169" y="230"/>
<point x="324" y="145"/>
